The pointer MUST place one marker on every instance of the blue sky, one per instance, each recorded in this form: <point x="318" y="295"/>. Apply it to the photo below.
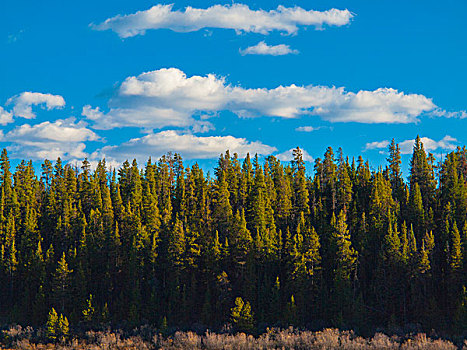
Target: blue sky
<point x="74" y="87"/>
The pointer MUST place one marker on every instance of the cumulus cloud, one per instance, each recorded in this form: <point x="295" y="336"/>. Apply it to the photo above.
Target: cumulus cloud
<point x="138" y="115"/>
<point x="264" y="49"/>
<point x="238" y="17"/>
<point x="288" y="156"/>
<point x="22" y="103"/>
<point x="376" y="145"/>
<point x="62" y="138"/>
<point x="5" y="117"/>
<point x="189" y="145"/>
<point x="167" y="97"/>
<point x="447" y="143"/>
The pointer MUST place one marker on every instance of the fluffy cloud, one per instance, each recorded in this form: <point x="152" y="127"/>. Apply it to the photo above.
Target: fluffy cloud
<point x="167" y="97"/>
<point x="62" y="138"/>
<point x="384" y="105"/>
<point x="264" y="49"/>
<point x="22" y="103"/>
<point x="142" y="114"/>
<point x="190" y="146"/>
<point x="447" y="143"/>
<point x="5" y="117"/>
<point x="288" y="156"/>
<point x="238" y="17"/>
<point x="376" y="145"/>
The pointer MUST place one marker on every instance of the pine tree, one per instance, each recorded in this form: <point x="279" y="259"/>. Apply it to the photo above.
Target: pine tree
<point x="412" y="253"/>
<point x="292" y="312"/>
<point x="300" y="184"/>
<point x="275" y="308"/>
<point x="52" y="325"/>
<point x="346" y="256"/>
<point x="89" y="310"/>
<point x="63" y="328"/>
<point x="344" y="184"/>
<point x="349" y="244"/>
<point x="283" y="203"/>
<point x="222" y="210"/>
<point x="61" y="284"/>
<point x="417" y="210"/>
<point x="241" y="239"/>
<point x="455" y="258"/>
<point x="392" y="245"/>
<point x="421" y="172"/>
<point x="394" y="168"/>
<point x="242" y="316"/>
<point x="176" y="244"/>
<point x="329" y="179"/>
<point x="345" y="270"/>
<point x="390" y="271"/>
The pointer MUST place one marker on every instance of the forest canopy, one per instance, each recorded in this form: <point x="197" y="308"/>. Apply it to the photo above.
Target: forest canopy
<point x="258" y="243"/>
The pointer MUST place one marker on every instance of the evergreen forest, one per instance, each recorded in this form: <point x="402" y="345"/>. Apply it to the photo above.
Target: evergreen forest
<point x="252" y="244"/>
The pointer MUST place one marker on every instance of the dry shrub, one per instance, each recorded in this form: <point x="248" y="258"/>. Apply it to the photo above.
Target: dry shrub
<point x="181" y="340"/>
<point x="24" y="344"/>
<point x="420" y="341"/>
<point x="293" y="339"/>
<point x="382" y="342"/>
<point x="134" y="343"/>
<point x="239" y="341"/>
<point x="103" y="340"/>
<point x="17" y="333"/>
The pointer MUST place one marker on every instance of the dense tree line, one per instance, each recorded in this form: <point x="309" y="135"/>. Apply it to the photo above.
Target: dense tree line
<point x="167" y="244"/>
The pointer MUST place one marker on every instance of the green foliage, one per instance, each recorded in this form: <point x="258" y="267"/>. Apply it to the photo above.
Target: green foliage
<point x="346" y="256"/>
<point x="242" y="316"/>
<point x="89" y="311"/>
<point x="57" y="327"/>
<point x="63" y="328"/>
<point x="61" y="284"/>
<point x="343" y="243"/>
<point x="455" y="258"/>
<point x="52" y="325"/>
<point x="164" y="326"/>
<point x="291" y="311"/>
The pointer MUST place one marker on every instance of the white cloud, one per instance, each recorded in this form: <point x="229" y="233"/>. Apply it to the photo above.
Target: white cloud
<point x="238" y="17"/>
<point x="288" y="156"/>
<point x="446" y="143"/>
<point x="443" y="113"/>
<point x="264" y="49"/>
<point x="308" y="128"/>
<point x="376" y="145"/>
<point x="167" y="97"/>
<point x="5" y="117"/>
<point x="139" y="115"/>
<point x="22" y="103"/>
<point x="62" y="138"/>
<point x="188" y="145"/>
<point x="202" y="126"/>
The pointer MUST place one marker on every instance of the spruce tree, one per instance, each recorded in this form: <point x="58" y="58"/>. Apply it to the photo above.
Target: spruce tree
<point x="63" y="328"/>
<point x="52" y="325"/>
<point x="61" y="283"/>
<point x="242" y="316"/>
